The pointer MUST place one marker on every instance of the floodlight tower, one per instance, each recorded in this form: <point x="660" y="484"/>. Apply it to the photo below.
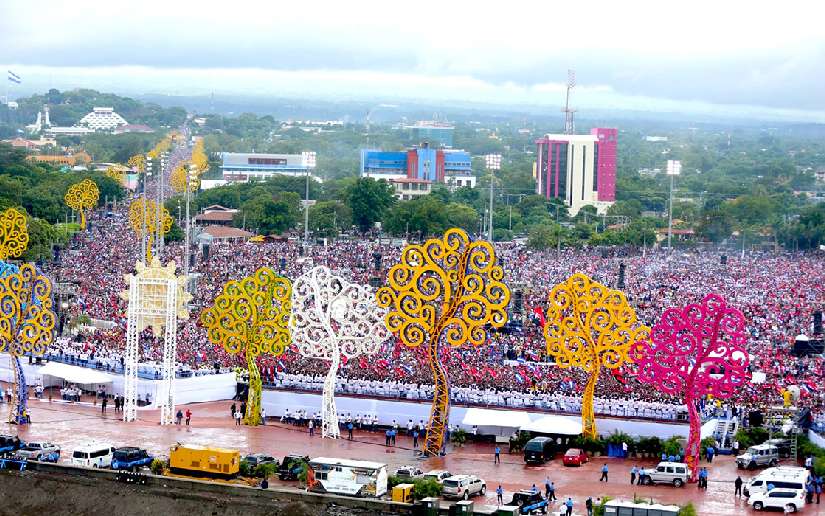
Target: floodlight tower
<point x="569" y="126"/>
<point x="493" y="162"/>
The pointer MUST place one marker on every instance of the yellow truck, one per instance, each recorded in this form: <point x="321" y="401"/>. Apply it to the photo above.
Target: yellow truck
<point x="195" y="460"/>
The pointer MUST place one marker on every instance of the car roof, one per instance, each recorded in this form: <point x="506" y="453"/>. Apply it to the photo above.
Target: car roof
<point x="437" y="471"/>
<point x="668" y="463"/>
<point x="127" y="448"/>
<point x="92" y="447"/>
<point x="460" y="477"/>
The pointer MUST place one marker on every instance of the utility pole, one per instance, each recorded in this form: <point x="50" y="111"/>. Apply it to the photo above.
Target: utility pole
<point x="674" y="168"/>
<point x="308" y="159"/>
<point x="493" y="162"/>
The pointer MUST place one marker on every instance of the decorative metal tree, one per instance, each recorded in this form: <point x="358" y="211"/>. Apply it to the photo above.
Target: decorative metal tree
<point x="117" y="173"/>
<point x="590" y="326"/>
<point x="446" y="289"/>
<point x="251" y="316"/>
<point x="137" y="163"/>
<point x="14" y="239"/>
<point x="145" y="220"/>
<point x="694" y="351"/>
<point x="157" y="299"/>
<point x="82" y="196"/>
<point x="26" y="325"/>
<point x="331" y="317"/>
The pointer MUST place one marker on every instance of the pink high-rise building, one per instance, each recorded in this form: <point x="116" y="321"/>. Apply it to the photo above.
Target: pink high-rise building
<point x="579" y="169"/>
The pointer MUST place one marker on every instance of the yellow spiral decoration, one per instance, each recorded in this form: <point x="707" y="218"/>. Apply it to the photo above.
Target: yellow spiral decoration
<point x="14" y="234"/>
<point x="251" y="316"/>
<point x="26" y="316"/>
<point x="590" y="326"/>
<point x="145" y="220"/>
<point x="82" y="196"/>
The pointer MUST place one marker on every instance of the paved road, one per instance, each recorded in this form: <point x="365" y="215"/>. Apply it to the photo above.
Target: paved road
<point x="72" y="424"/>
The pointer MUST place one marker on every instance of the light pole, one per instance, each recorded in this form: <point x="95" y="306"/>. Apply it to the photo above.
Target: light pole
<point x="674" y="168"/>
<point x="308" y="160"/>
<point x="493" y="162"/>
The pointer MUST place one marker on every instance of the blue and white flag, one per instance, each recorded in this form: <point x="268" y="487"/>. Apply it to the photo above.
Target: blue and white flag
<point x="13" y="77"/>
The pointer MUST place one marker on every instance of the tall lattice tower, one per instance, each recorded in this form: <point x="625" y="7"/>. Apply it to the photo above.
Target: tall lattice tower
<point x="569" y="125"/>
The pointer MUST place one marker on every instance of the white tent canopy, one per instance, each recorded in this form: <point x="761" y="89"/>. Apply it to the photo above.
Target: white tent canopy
<point x="501" y="418"/>
<point x="73" y="374"/>
<point x="552" y="424"/>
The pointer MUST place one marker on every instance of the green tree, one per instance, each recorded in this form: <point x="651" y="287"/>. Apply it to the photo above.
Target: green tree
<point x="269" y="215"/>
<point x="368" y="199"/>
<point x="327" y="218"/>
<point x="419" y="217"/>
<point x="716" y="225"/>
<point x="462" y="216"/>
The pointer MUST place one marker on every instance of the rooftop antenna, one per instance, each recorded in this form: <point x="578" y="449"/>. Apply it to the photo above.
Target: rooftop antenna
<point x="569" y="126"/>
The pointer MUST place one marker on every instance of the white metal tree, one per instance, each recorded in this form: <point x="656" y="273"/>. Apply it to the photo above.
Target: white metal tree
<point x="333" y="317"/>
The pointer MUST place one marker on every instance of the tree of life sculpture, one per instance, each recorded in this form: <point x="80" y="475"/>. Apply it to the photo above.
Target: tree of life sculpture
<point x="446" y="289"/>
<point x="144" y="220"/>
<point x="694" y="351"/>
<point x="251" y="316"/>
<point x="137" y="163"/>
<point x="590" y="326"/>
<point x="157" y="299"/>
<point x="82" y="196"/>
<point x="181" y="176"/>
<point x="117" y="173"/>
<point x="331" y="317"/>
<point x="14" y="235"/>
<point x="26" y="326"/>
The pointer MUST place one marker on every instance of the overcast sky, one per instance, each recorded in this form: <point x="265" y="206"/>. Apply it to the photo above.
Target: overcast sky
<point x="754" y="56"/>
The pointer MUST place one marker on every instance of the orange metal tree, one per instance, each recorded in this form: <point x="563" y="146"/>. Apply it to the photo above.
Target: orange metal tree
<point x="446" y="289"/>
<point x="590" y="326"/>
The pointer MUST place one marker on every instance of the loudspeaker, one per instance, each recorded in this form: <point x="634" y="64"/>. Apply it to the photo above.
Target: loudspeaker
<point x="300" y="250"/>
<point x="620" y="283"/>
<point x="375" y="282"/>
<point x="376" y="260"/>
<point x="518" y="302"/>
<point x="756" y="418"/>
<point x="205" y="252"/>
<point x="818" y="322"/>
<point x="723" y="259"/>
<point x="808" y="347"/>
<point x="192" y="261"/>
<point x="282" y="264"/>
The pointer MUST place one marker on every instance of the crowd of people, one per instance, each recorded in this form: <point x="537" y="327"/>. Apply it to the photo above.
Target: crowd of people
<point x="776" y="291"/>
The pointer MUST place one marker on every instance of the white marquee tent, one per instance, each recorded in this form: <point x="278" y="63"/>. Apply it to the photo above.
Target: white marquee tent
<point x="54" y="373"/>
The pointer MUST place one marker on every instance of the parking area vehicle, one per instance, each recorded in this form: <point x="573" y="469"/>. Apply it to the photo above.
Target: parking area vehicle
<point x="10" y="443"/>
<point x="254" y="459"/>
<point x="130" y="458"/>
<point x="783" y="446"/>
<point x="539" y="450"/>
<point x="783" y="477"/>
<point x="42" y="451"/>
<point x="439" y="475"/>
<point x="778" y="499"/>
<point x="463" y="487"/>
<point x="675" y="473"/>
<point x="758" y="456"/>
<point x="292" y="466"/>
<point x="574" y="457"/>
<point x="408" y="472"/>
<point x="93" y="455"/>
<point x="529" y="502"/>
<point x="347" y="477"/>
<point x="191" y="459"/>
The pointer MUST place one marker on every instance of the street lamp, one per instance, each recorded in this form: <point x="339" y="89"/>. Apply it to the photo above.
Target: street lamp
<point x="674" y="168"/>
<point x="308" y="161"/>
<point x="493" y="162"/>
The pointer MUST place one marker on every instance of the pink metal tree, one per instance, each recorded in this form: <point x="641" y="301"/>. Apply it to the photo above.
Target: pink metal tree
<point x="694" y="351"/>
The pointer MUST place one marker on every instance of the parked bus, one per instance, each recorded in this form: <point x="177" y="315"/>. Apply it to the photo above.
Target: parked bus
<point x="347" y="477"/>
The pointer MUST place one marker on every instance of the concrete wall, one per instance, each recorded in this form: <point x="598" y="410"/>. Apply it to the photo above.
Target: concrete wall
<point x="59" y="490"/>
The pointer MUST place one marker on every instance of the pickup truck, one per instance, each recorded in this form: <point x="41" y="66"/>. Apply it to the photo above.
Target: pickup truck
<point x="44" y="452"/>
<point x="130" y="458"/>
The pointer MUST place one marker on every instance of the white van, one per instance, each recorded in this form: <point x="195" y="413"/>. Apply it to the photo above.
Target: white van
<point x="93" y="455"/>
<point x="783" y="477"/>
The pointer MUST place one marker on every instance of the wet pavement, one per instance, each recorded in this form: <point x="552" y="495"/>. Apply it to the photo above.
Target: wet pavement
<point x="69" y="425"/>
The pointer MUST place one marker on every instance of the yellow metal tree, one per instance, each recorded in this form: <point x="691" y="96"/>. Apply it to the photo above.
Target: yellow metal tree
<point x="181" y="176"/>
<point x="26" y="326"/>
<point x="590" y="326"/>
<point x="14" y="234"/>
<point x="251" y="316"/>
<point x="117" y="173"/>
<point x="82" y="196"/>
<point x="444" y="290"/>
<point x="145" y="219"/>
<point x="138" y="163"/>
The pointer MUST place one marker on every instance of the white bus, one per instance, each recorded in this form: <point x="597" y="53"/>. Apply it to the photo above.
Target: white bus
<point x="93" y="455"/>
<point x="347" y="477"/>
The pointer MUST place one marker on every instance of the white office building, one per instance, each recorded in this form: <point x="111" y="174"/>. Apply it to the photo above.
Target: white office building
<point x="102" y="119"/>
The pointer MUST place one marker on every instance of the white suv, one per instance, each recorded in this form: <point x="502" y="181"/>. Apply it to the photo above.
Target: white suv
<point x="675" y="473"/>
<point x="760" y="455"/>
<point x="778" y="499"/>
<point x="463" y="486"/>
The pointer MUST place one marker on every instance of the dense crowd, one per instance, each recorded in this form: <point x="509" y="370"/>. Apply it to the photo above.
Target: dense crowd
<point x="777" y="292"/>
